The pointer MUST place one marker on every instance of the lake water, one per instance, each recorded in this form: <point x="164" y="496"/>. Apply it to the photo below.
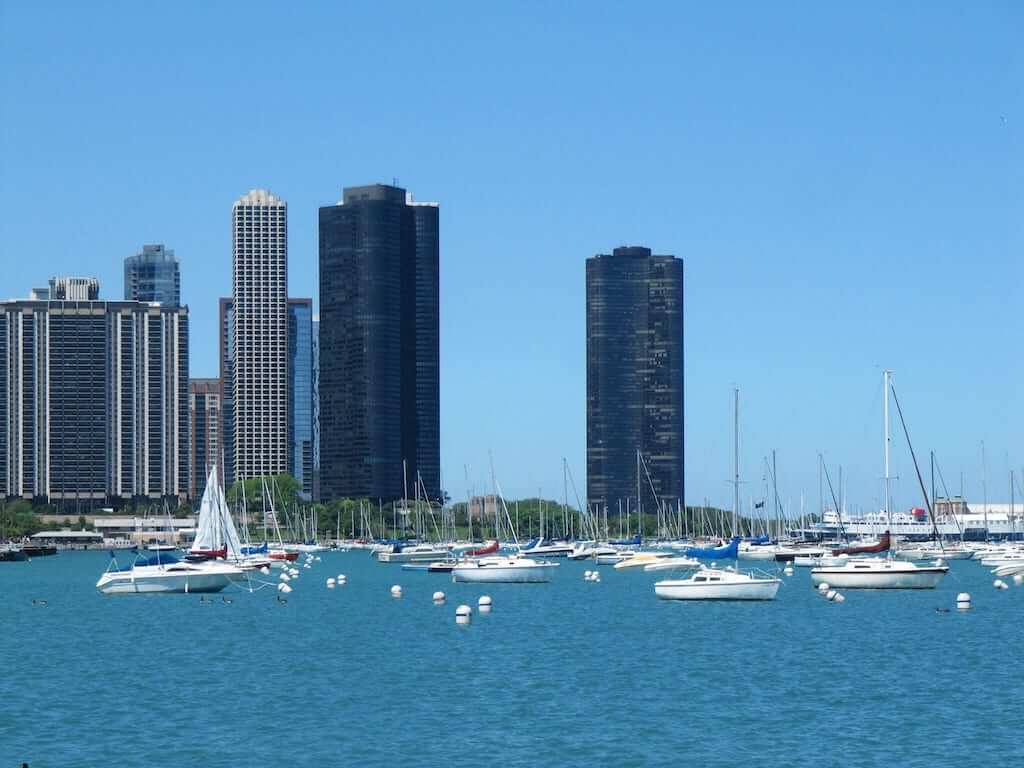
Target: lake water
<point x="567" y="673"/>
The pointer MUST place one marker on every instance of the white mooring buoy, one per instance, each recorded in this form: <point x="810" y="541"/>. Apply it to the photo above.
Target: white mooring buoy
<point x="396" y="591"/>
<point x="587" y="575"/>
<point x="484" y="604"/>
<point x="264" y="570"/>
<point x="285" y="577"/>
<point x="438" y="598"/>
<point x="1018" y="579"/>
<point x="1000" y="584"/>
<point x="963" y="601"/>
<point x="831" y="594"/>
<point x="463" y="614"/>
<point x="330" y="583"/>
<point x="823" y="587"/>
<point x="284" y="588"/>
<point x="839" y="598"/>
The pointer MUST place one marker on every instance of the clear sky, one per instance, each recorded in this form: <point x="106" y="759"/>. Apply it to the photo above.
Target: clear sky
<point x="842" y="180"/>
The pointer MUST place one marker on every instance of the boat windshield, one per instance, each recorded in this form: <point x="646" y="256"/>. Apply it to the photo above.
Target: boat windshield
<point x="156" y="558"/>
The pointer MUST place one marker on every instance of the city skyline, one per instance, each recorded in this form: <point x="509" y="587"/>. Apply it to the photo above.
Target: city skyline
<point x="834" y="219"/>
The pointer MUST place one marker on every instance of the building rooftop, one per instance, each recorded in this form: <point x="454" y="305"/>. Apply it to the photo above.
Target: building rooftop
<point x="259" y="197"/>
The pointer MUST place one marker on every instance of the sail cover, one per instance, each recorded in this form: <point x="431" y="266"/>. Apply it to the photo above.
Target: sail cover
<point x="728" y="552"/>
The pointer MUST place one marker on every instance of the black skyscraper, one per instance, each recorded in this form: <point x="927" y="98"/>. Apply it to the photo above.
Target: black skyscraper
<point x="634" y="379"/>
<point x="379" y="378"/>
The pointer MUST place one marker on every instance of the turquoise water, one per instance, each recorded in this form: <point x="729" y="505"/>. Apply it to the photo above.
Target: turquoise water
<point x="566" y="673"/>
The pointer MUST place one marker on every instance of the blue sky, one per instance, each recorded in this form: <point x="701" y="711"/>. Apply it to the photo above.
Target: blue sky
<point x="843" y="182"/>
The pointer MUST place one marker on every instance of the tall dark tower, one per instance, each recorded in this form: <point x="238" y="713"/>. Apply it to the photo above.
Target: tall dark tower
<point x="379" y="358"/>
<point x="634" y="379"/>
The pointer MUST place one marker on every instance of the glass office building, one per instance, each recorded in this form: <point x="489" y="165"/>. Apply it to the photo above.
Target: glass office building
<point x="300" y="393"/>
<point x="152" y="274"/>
<point x="634" y="379"/>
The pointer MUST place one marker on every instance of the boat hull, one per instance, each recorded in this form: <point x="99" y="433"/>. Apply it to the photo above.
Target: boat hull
<point x="119" y="583"/>
<point x="537" y="574"/>
<point x="756" y="589"/>
<point x="893" y="578"/>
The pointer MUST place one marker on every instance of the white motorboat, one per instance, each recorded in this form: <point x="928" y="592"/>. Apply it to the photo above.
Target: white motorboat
<point x="673" y="564"/>
<point x="615" y="556"/>
<point x="868" y="573"/>
<point x="413" y="553"/>
<point x="164" y="573"/>
<point x="503" y="569"/>
<point x="640" y="559"/>
<point x="750" y="551"/>
<point x="716" y="584"/>
<point x="932" y="553"/>
<point x="819" y="561"/>
<point x="546" y="548"/>
<point x="592" y="551"/>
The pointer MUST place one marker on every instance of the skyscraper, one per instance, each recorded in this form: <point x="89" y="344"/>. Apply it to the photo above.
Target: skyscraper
<point x="204" y="405"/>
<point x="379" y="325"/>
<point x="300" y="393"/>
<point x="300" y="355"/>
<point x="260" y="335"/>
<point x="152" y="275"/>
<point x="94" y="399"/>
<point x="634" y="379"/>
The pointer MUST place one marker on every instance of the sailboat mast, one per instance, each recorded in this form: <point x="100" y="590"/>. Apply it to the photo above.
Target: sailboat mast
<point x="885" y="418"/>
<point x="736" y="459"/>
<point x="639" y="512"/>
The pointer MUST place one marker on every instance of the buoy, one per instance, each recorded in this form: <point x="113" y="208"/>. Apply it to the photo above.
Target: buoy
<point x="587" y="575"/>
<point x="285" y="577"/>
<point x="330" y="583"/>
<point x="484" y="604"/>
<point x="998" y="584"/>
<point x="264" y="570"/>
<point x="1018" y="579"/>
<point x="438" y="598"/>
<point x="396" y="591"/>
<point x="317" y="558"/>
<point x="341" y="577"/>
<point x="831" y="594"/>
<point x="839" y="598"/>
<point x="963" y="601"/>
<point x="823" y="587"/>
<point x="463" y="614"/>
<point x="284" y="588"/>
<point x="307" y="565"/>
<point x="1003" y="585"/>
<point x="788" y="569"/>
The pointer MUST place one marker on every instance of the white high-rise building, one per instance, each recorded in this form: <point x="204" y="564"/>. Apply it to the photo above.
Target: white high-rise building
<point x="260" y="335"/>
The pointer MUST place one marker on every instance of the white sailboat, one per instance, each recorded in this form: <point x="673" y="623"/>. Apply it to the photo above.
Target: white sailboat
<point x="875" y="573"/>
<point x="723" y="583"/>
<point x="719" y="584"/>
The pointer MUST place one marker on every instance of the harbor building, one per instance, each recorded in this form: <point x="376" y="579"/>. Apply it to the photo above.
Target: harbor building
<point x="634" y="379"/>
<point x="93" y="398"/>
<point x="259" y="375"/>
<point x="300" y="377"/>
<point x="152" y="275"/>
<point x="204" y="407"/>
<point x="379" y="382"/>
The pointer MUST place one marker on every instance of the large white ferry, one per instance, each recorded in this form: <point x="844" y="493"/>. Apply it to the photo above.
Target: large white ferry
<point x="954" y="518"/>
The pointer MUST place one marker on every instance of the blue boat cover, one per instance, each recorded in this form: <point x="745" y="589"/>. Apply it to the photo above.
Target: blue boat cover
<point x="730" y="551"/>
<point x="633" y="542"/>
<point x="157" y="558"/>
<point x="262" y="549"/>
<point x="759" y="539"/>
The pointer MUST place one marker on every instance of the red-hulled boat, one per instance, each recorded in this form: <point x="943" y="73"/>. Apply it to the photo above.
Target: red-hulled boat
<point x="881" y="546"/>
<point x="282" y="554"/>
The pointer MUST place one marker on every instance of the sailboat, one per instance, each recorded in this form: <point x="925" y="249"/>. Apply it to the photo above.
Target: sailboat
<point x="868" y="573"/>
<point x="722" y="584"/>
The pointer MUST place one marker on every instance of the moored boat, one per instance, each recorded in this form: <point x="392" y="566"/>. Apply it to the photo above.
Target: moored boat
<point x="719" y="584"/>
<point x="512" y="570"/>
<point x="162" y="573"/>
<point x="871" y="573"/>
